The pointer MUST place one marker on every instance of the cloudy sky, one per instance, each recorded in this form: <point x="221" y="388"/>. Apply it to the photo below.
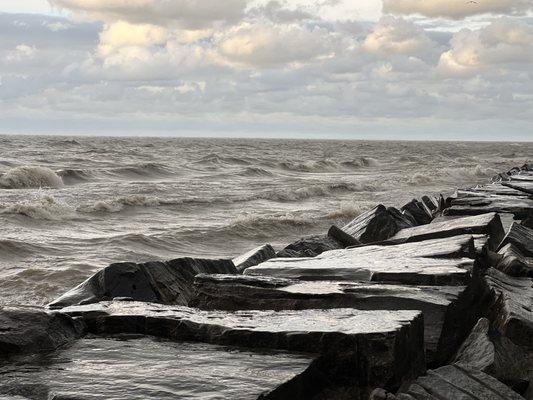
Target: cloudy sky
<point x="371" y="69"/>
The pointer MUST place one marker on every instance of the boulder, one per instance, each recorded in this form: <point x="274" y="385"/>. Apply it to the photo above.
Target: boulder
<point x="486" y="350"/>
<point x="521" y="237"/>
<point x="419" y="212"/>
<point x="310" y="246"/>
<point x="512" y="262"/>
<point x="236" y="292"/>
<point x="383" y="348"/>
<point x="508" y="303"/>
<point x="26" y="330"/>
<point x="377" y="224"/>
<point x="167" y="282"/>
<point x="485" y="224"/>
<point x="456" y="382"/>
<point x="440" y="262"/>
<point x="342" y="237"/>
<point x="254" y="257"/>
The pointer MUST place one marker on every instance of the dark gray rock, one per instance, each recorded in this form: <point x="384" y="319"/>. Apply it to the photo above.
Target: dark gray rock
<point x="342" y="237"/>
<point x="168" y="282"/>
<point x="310" y="246"/>
<point x="519" y="206"/>
<point x="486" y="350"/>
<point x="377" y="225"/>
<point x="254" y="257"/>
<point x="383" y="348"/>
<point x="523" y="186"/>
<point x="512" y="262"/>
<point x="235" y="292"/>
<point x="26" y="330"/>
<point x="455" y="382"/>
<point x="508" y="303"/>
<point x="521" y="237"/>
<point x="418" y="210"/>
<point x="486" y="224"/>
<point x="439" y="262"/>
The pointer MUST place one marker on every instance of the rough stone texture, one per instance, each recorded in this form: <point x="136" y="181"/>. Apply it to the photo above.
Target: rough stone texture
<point x="485" y="350"/>
<point x="512" y="262"/>
<point x="521" y="237"/>
<point x="508" y="303"/>
<point x="383" y="347"/>
<point x="310" y="246"/>
<point x="486" y="224"/>
<point x="523" y="186"/>
<point x="520" y="206"/>
<point x="342" y="237"/>
<point x="455" y="382"/>
<point x="32" y="330"/>
<point x="418" y="211"/>
<point x="230" y="292"/>
<point x="377" y="224"/>
<point x="254" y="257"/>
<point x="432" y="262"/>
<point x="167" y="282"/>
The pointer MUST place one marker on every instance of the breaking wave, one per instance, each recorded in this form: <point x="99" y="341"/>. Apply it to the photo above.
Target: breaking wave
<point x="328" y="165"/>
<point x="30" y="177"/>
<point x="71" y="176"/>
<point x="45" y="207"/>
<point x="119" y="203"/>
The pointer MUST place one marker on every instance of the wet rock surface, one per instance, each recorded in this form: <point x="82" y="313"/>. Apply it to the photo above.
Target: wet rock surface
<point x="167" y="282"/>
<point x="455" y="382"/>
<point x="439" y="283"/>
<point x="33" y="330"/>
<point x="432" y="262"/>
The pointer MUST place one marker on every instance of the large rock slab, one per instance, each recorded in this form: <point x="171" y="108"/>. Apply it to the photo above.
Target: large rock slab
<point x="231" y="292"/>
<point x="486" y="224"/>
<point x="32" y="330"/>
<point x="521" y="185"/>
<point x="495" y="355"/>
<point x="418" y="211"/>
<point x="508" y="303"/>
<point x="254" y="257"/>
<point x="432" y="262"/>
<point x="520" y="206"/>
<point x="386" y="346"/>
<point x="377" y="224"/>
<point x="455" y="382"/>
<point x="167" y="282"/>
<point x="521" y="237"/>
<point x="511" y="261"/>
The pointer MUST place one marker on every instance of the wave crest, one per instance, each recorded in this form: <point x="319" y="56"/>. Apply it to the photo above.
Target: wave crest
<point x="117" y="204"/>
<point x="30" y="177"/>
<point x="46" y="207"/>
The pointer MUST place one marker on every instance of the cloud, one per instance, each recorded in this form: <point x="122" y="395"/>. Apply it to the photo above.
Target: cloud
<point x="21" y="53"/>
<point x="398" y="36"/>
<point x="124" y="34"/>
<point x="456" y="9"/>
<point x="264" y="45"/>
<point x="190" y="14"/>
<point x="505" y="42"/>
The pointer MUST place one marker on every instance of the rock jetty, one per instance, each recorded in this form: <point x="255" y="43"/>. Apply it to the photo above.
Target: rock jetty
<point x="431" y="301"/>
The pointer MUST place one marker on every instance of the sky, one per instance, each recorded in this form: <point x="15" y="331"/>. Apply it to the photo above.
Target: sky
<point x="354" y="69"/>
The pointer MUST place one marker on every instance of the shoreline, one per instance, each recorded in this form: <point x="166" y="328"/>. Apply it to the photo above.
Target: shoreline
<point x="425" y="284"/>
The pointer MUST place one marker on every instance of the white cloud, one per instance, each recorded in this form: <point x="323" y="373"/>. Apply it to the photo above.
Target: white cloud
<point x="123" y="34"/>
<point x="21" y="53"/>
<point x="190" y="14"/>
<point x="398" y="36"/>
<point x="457" y="9"/>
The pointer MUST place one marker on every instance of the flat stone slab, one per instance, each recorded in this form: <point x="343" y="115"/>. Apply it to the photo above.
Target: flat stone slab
<point x="432" y="262"/>
<point x="523" y="186"/>
<point x="492" y="189"/>
<point x="486" y="224"/>
<point x="33" y="330"/>
<point x="230" y="292"/>
<point x="167" y="282"/>
<point x="387" y="345"/>
<point x="510" y="306"/>
<point x="520" y="206"/>
<point x="454" y="382"/>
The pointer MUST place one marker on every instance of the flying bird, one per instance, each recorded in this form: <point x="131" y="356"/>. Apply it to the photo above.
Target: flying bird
<point x="472" y="2"/>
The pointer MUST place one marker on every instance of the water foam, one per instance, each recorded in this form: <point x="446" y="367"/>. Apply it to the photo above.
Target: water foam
<point x="45" y="207"/>
<point x="117" y="204"/>
<point x="30" y="177"/>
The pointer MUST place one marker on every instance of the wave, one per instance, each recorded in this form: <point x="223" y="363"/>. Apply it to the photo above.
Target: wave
<point x="460" y="174"/>
<point x="328" y="165"/>
<point x="14" y="248"/>
<point x="117" y="204"/>
<point x="350" y="210"/>
<point x="71" y="176"/>
<point x="140" y="170"/>
<point x="30" y="177"/>
<point x="307" y="192"/>
<point x="46" y="207"/>
<point x="256" y="171"/>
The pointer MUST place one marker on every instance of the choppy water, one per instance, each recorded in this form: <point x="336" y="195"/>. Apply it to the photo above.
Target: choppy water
<point x="70" y="206"/>
<point x="98" y="368"/>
